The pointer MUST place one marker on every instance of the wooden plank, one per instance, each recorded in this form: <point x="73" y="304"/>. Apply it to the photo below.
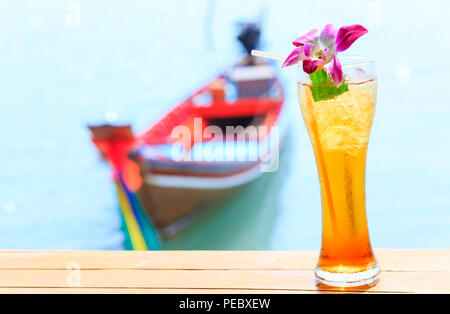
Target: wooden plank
<point x="301" y="280"/>
<point x="390" y="260"/>
<point x="414" y="260"/>
<point x="143" y="291"/>
<point x="404" y="271"/>
<point x="157" y="259"/>
<point x="163" y="291"/>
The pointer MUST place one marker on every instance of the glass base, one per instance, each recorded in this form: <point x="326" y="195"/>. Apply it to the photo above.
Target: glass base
<point x="363" y="278"/>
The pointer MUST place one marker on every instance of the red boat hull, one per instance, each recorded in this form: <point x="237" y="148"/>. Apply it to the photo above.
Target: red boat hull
<point x="173" y="191"/>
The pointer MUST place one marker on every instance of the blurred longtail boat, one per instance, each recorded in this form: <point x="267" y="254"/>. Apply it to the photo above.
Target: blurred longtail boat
<point x="168" y="179"/>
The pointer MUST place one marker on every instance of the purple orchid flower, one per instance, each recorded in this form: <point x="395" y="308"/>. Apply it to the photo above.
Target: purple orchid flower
<point x="319" y="51"/>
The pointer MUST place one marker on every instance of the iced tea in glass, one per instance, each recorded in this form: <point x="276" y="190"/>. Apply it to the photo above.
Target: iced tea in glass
<point x="339" y="130"/>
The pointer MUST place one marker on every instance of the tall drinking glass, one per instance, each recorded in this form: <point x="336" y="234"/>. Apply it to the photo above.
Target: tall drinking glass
<point x="339" y="130"/>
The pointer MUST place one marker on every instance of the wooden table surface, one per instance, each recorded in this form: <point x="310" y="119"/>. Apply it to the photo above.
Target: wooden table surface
<point x="403" y="271"/>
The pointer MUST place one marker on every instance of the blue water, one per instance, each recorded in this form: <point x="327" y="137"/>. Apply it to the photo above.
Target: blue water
<point x="66" y="63"/>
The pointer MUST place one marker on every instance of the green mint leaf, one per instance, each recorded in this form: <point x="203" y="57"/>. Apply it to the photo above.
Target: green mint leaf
<point x="323" y="87"/>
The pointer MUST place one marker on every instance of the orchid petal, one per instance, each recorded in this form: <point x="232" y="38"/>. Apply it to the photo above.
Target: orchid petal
<point x="347" y="35"/>
<point x="308" y="48"/>
<point x="335" y="70"/>
<point x="308" y="37"/>
<point x="325" y="53"/>
<point x="294" y="57"/>
<point x="328" y="35"/>
<point x="310" y="65"/>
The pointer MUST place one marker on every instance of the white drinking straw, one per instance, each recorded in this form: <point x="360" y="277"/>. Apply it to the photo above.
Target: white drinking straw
<point x="268" y="55"/>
